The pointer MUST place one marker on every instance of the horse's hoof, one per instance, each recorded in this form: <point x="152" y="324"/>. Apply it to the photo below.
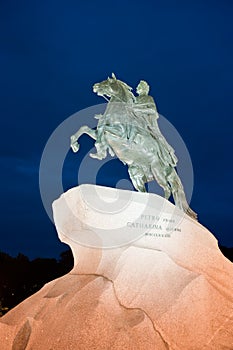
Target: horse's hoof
<point x="73" y="139"/>
<point x="75" y="147"/>
<point x="96" y="156"/>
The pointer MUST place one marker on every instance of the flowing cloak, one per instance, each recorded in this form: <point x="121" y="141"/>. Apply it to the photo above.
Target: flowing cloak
<point x="145" y="115"/>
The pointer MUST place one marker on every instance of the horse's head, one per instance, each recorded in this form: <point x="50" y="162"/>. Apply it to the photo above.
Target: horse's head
<point x="107" y="87"/>
<point x="112" y="87"/>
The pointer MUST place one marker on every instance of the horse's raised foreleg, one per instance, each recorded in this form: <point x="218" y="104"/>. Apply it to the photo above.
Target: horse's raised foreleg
<point x="83" y="130"/>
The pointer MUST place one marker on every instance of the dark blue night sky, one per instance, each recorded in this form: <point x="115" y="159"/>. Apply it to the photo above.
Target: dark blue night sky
<point x="52" y="52"/>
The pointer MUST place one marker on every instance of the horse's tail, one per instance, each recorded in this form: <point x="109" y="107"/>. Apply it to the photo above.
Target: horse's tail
<point x="179" y="195"/>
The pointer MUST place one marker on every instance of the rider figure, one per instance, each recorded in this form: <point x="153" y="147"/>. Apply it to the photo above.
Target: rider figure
<point x="145" y="109"/>
<point x="144" y="105"/>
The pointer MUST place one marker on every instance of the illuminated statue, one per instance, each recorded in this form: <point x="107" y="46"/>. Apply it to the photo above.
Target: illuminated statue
<point x="129" y="129"/>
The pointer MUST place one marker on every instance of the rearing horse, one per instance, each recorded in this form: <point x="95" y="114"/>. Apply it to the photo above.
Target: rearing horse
<point x="120" y="132"/>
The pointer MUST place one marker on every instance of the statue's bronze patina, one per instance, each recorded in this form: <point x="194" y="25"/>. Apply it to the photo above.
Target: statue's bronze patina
<point x="129" y="129"/>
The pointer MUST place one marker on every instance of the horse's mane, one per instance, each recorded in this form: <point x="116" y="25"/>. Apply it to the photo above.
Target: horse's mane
<point x="126" y="86"/>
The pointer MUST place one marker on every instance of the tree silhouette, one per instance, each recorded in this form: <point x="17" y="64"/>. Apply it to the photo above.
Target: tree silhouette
<point x="20" y="277"/>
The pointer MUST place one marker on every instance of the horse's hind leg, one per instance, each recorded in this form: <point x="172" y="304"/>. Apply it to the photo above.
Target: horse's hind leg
<point x="137" y="177"/>
<point x="160" y="176"/>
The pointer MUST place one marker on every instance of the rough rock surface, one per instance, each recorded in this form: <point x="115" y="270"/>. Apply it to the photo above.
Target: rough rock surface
<point x="160" y="293"/>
